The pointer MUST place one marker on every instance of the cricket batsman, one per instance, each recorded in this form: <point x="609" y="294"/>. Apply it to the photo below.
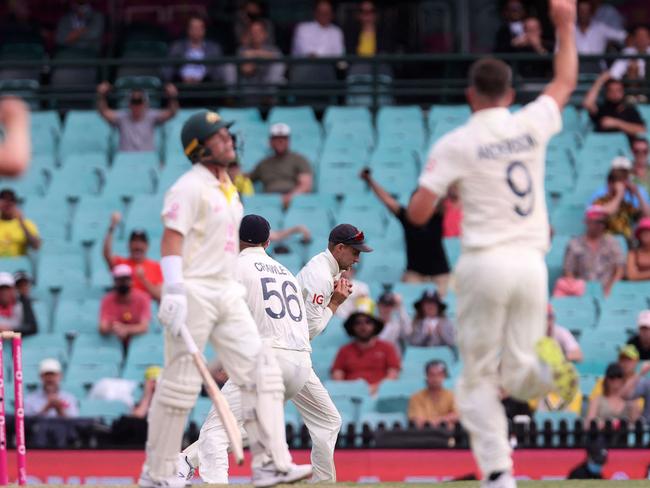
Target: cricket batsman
<point x="497" y="159"/>
<point x="200" y="245"/>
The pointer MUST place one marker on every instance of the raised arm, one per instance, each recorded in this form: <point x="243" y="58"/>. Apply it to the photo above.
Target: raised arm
<point x="107" y="248"/>
<point x="104" y="110"/>
<point x="385" y="197"/>
<point x="565" y="66"/>
<point x="591" y="98"/>
<point x="15" y="149"/>
<point x="172" y="104"/>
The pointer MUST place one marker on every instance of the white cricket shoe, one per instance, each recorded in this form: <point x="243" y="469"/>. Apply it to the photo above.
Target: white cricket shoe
<point x="506" y="480"/>
<point x="268" y="475"/>
<point x="146" y="481"/>
<point x="185" y="469"/>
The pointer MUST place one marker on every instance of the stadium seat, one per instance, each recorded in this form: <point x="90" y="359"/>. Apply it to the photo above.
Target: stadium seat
<point x="393" y="395"/>
<point x="386" y="267"/>
<point x="371" y="221"/>
<point x="89" y="123"/>
<point x="103" y="409"/>
<point x="345" y="116"/>
<point x="452" y="249"/>
<point x="240" y="115"/>
<point x="76" y="316"/>
<point x="82" y="357"/>
<point x="322" y="359"/>
<point x="291" y="115"/>
<point x="350" y="397"/>
<point x="415" y="358"/>
<point x="318" y="219"/>
<point x="62" y="271"/>
<point x="448" y="114"/>
<point x="144" y="213"/>
<point x="405" y="116"/>
<point x="46" y="132"/>
<point x="79" y="175"/>
<point x="94" y="340"/>
<point x="293" y="262"/>
<point x="200" y="411"/>
<point x="93" y="215"/>
<point x="88" y="374"/>
<point x="575" y="313"/>
<point x="334" y="336"/>
<point x="398" y="180"/>
<point x="128" y="180"/>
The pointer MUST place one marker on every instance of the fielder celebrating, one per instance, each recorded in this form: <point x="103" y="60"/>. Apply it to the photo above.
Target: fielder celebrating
<point x="278" y="307"/>
<point x="199" y="248"/>
<point x="497" y="158"/>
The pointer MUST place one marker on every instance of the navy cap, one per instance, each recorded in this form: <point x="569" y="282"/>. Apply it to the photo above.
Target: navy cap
<point x="350" y="236"/>
<point x="254" y="229"/>
<point x="139" y="235"/>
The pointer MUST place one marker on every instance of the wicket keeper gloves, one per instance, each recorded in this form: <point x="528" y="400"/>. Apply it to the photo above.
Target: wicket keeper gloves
<point x="172" y="312"/>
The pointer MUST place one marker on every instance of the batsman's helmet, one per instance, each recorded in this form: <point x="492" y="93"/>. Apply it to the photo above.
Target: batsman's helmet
<point x="199" y="128"/>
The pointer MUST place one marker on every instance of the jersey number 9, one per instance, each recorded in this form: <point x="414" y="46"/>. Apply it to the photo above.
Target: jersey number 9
<point x="521" y="184"/>
<point x="288" y="293"/>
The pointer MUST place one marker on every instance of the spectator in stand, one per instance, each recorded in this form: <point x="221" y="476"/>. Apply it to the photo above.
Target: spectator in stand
<point x="17" y="234"/>
<point x="434" y="405"/>
<point x="642" y="340"/>
<point x="11" y="310"/>
<point x="633" y="69"/>
<point x="125" y="311"/>
<point x="137" y="124"/>
<point x="624" y="202"/>
<point x="592" y="36"/>
<point x="563" y="336"/>
<point x="638" y="259"/>
<point x="608" y="15"/>
<point x="242" y="182"/>
<point x="430" y="326"/>
<point x="24" y="289"/>
<point x="425" y="256"/>
<point x="452" y="213"/>
<point x="531" y="41"/>
<point x="512" y="26"/>
<point x="611" y="404"/>
<point x="251" y="11"/>
<point x="396" y="319"/>
<point x="359" y="298"/>
<point x="641" y="162"/>
<point x="147" y="275"/>
<point x="366" y="38"/>
<point x="319" y="38"/>
<point x="285" y="171"/>
<point x="49" y="400"/>
<point x="195" y="48"/>
<point x="19" y="26"/>
<point x="594" y="256"/>
<point x="258" y="46"/>
<point x="81" y="28"/>
<point x="366" y="357"/>
<point x="637" y="387"/>
<point x="141" y="409"/>
<point x="615" y="114"/>
<point x="628" y="360"/>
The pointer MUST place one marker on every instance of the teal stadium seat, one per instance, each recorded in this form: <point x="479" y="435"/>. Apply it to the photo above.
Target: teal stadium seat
<point x="340" y="177"/>
<point x="79" y="175"/>
<point x="77" y="316"/>
<point x="87" y="374"/>
<point x="292" y="115"/>
<point x="103" y="409"/>
<point x="322" y="360"/>
<point x="393" y="395"/>
<point x="452" y="249"/>
<point x="416" y="358"/>
<point x="63" y="271"/>
<point x="351" y="398"/>
<point x="94" y="340"/>
<point x="405" y="115"/>
<point x="350" y="134"/>
<point x="336" y="116"/>
<point x="200" y="411"/>
<point x="240" y="115"/>
<point x="46" y="132"/>
<point x="95" y="131"/>
<point x="91" y="357"/>
<point x="145" y="213"/>
<point x="448" y="115"/>
<point x="334" y="336"/>
<point x="92" y="217"/>
<point x="385" y="267"/>
<point x="293" y="261"/>
<point x="401" y="181"/>
<point x="577" y="314"/>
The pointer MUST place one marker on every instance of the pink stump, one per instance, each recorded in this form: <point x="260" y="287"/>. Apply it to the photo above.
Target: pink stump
<point x="21" y="452"/>
<point x="4" y="475"/>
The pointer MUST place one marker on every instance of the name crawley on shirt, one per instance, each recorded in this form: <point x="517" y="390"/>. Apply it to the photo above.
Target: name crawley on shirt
<point x="269" y="268"/>
<point x="522" y="143"/>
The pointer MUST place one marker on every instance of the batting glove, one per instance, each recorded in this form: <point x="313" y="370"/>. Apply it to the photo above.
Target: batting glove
<point x="172" y="312"/>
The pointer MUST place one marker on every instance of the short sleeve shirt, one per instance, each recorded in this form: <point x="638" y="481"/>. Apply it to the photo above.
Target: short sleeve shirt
<point x="136" y="311"/>
<point x="586" y="263"/>
<point x="207" y="213"/>
<point x="624" y="112"/>
<point x="424" y="251"/>
<point x="497" y="159"/>
<point x="35" y="402"/>
<point x="565" y="338"/>
<point x="13" y="241"/>
<point x="423" y="405"/>
<point x="370" y="364"/>
<point x="279" y="174"/>
<point x="137" y="135"/>
<point x="152" y="271"/>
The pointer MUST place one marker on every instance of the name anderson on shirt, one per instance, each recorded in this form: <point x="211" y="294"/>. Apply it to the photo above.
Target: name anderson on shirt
<point x="517" y="144"/>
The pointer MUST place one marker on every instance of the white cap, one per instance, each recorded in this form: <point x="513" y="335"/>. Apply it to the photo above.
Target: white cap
<point x="621" y="162"/>
<point x="644" y="319"/>
<point x="122" y="271"/>
<point x="6" y="279"/>
<point x="280" y="130"/>
<point x="49" y="365"/>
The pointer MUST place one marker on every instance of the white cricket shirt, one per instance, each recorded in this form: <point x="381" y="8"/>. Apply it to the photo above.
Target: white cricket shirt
<point x="274" y="297"/>
<point x="207" y="213"/>
<point x="497" y="158"/>
<point x="316" y="280"/>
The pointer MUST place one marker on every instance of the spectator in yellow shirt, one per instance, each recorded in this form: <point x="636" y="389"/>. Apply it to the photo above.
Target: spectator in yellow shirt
<point x="434" y="404"/>
<point x="242" y="182"/>
<point x="628" y="359"/>
<point x="17" y="234"/>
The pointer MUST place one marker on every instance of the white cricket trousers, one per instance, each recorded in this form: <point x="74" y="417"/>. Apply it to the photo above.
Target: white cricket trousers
<point x="217" y="312"/>
<point x="310" y="397"/>
<point x="502" y="295"/>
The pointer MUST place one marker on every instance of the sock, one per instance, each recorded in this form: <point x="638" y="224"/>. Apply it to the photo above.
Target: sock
<point x="495" y="475"/>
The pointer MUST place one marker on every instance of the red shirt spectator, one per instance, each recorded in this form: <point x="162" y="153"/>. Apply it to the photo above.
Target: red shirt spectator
<point x="366" y="357"/>
<point x="146" y="273"/>
<point x="124" y="312"/>
<point x="452" y="213"/>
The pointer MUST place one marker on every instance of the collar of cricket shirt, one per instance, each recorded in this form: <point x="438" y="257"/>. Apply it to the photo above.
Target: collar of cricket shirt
<point x="226" y="187"/>
<point x="331" y="262"/>
<point x="253" y="250"/>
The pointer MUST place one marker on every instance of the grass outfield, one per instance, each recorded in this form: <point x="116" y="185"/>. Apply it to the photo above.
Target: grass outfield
<point x="455" y="484"/>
